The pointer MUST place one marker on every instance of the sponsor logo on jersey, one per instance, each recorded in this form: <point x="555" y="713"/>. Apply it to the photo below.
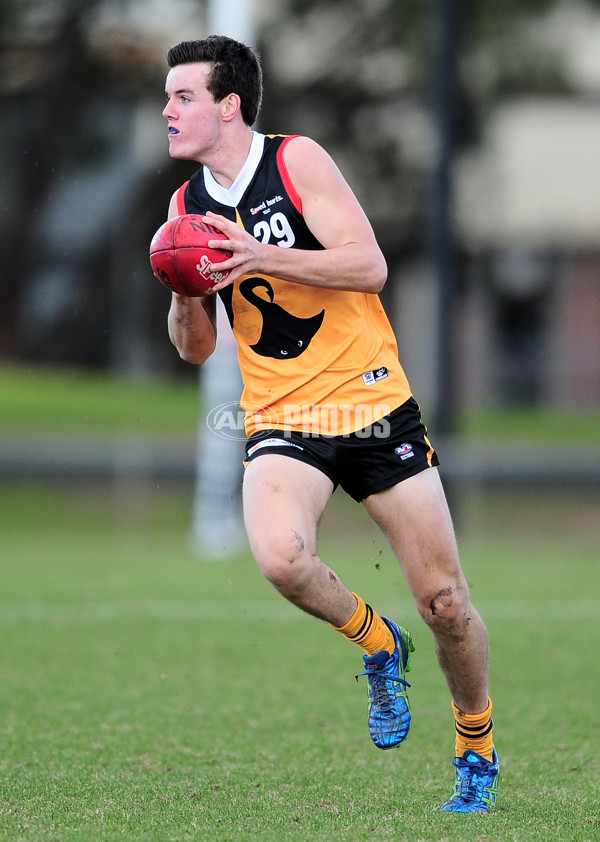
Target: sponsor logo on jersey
<point x="370" y="377"/>
<point x="404" y="451"/>
<point x="266" y="206"/>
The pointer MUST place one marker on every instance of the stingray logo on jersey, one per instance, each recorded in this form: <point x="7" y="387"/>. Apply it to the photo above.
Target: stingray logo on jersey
<point x="404" y="451"/>
<point x="228" y="419"/>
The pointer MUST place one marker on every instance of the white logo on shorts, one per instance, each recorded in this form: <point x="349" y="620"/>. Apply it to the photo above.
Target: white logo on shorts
<point x="272" y="443"/>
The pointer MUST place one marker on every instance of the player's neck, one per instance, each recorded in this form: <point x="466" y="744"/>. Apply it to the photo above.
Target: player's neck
<point x="230" y="157"/>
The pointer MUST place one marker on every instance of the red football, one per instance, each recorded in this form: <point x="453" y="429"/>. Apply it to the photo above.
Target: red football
<point x="180" y="257"/>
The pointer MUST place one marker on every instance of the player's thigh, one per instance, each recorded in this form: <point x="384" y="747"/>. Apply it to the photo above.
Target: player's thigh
<point x="414" y="516"/>
<point x="283" y="501"/>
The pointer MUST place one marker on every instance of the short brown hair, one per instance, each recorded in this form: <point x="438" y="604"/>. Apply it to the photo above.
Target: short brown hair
<point x="235" y="69"/>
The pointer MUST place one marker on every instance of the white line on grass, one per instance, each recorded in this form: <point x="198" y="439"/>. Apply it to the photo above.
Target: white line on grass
<point x="271" y="611"/>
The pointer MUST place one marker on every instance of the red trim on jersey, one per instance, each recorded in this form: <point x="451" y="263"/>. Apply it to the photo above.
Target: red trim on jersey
<point x="287" y="181"/>
<point x="181" y="199"/>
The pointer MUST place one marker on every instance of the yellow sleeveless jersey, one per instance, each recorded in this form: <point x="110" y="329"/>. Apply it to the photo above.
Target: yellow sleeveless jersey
<point x="313" y="360"/>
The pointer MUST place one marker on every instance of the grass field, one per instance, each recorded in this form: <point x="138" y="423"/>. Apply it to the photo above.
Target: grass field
<point x="149" y="695"/>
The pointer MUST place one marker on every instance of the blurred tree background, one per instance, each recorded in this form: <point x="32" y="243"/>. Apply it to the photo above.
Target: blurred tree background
<point x="87" y="178"/>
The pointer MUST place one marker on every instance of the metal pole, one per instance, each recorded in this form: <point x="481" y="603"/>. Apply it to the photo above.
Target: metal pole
<point x="235" y="18"/>
<point x="217" y="530"/>
<point x="443" y="246"/>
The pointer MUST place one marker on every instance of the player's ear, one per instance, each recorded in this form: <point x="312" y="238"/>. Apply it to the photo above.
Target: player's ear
<point x="230" y="106"/>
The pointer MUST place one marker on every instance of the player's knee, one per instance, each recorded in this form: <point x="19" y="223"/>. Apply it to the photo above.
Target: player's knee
<point x="285" y="562"/>
<point x="447" y="611"/>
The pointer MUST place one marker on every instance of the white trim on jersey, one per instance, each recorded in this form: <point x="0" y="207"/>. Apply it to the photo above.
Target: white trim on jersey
<point x="231" y="196"/>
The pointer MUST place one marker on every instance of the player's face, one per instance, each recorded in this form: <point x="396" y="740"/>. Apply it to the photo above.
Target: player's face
<point x="193" y="117"/>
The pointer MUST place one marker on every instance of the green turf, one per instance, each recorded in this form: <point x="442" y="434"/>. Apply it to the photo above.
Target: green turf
<point x="42" y="399"/>
<point x="149" y="695"/>
<point x="529" y="424"/>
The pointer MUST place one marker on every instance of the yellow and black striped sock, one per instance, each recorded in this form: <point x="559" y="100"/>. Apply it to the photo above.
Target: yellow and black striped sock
<point x="474" y="732"/>
<point x="368" y="630"/>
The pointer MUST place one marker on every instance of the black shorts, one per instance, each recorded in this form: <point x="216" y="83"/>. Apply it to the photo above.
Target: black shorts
<point x="363" y="462"/>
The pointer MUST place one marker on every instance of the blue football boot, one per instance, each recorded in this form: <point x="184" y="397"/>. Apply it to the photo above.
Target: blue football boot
<point x="476" y="785"/>
<point x="389" y="709"/>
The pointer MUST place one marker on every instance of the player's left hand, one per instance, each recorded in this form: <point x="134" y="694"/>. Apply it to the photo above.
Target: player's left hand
<point x="247" y="250"/>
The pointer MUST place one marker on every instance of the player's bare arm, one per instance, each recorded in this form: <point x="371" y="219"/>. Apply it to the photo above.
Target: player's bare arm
<point x="192" y="327"/>
<point x="351" y="259"/>
<point x="192" y="322"/>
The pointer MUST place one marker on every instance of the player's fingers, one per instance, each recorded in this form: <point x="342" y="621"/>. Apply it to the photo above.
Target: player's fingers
<point x="224" y="245"/>
<point x="218" y="221"/>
